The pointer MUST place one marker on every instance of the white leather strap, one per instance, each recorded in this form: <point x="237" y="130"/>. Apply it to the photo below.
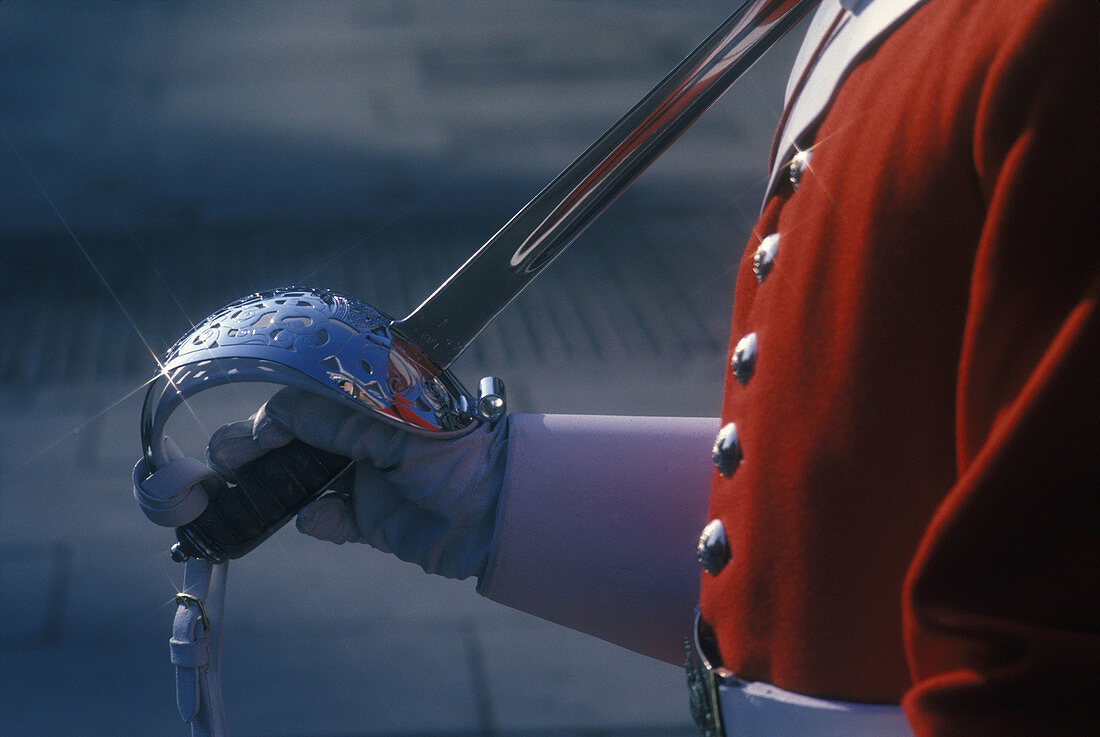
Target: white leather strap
<point x="172" y="496"/>
<point x="196" y="647"/>
<point x="763" y="710"/>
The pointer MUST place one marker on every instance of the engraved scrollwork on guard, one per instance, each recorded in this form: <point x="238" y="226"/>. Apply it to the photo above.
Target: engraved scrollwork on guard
<point x="318" y="340"/>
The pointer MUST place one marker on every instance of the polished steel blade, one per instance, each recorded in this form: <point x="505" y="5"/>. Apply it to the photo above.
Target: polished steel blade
<point x="448" y="321"/>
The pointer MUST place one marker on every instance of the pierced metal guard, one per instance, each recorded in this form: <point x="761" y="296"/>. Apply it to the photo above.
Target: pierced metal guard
<point x="313" y="339"/>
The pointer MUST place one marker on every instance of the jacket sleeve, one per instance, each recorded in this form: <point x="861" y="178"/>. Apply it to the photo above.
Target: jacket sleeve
<point x="1002" y="601"/>
<point x="598" y="522"/>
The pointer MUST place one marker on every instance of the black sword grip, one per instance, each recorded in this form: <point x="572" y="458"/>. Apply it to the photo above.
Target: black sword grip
<point x="261" y="497"/>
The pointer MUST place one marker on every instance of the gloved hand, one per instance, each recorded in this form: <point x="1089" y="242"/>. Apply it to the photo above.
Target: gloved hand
<point x="427" y="500"/>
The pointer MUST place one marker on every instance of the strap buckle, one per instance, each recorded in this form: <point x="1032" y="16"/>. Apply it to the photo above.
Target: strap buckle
<point x="704" y="677"/>
<point x="186" y="600"/>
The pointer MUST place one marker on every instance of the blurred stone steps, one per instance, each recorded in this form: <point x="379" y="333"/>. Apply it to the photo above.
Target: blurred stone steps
<point x="649" y="282"/>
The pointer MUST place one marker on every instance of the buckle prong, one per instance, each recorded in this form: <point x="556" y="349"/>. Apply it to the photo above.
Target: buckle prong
<point x="186" y="600"/>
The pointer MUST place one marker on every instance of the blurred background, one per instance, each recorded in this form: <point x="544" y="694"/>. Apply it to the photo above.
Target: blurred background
<point x="161" y="159"/>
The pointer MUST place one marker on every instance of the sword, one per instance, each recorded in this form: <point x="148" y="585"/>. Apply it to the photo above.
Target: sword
<point x="398" y="369"/>
<point x="445" y="324"/>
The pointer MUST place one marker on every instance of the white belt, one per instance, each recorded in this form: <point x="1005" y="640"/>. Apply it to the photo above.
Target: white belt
<point x="763" y="710"/>
<point x="726" y="706"/>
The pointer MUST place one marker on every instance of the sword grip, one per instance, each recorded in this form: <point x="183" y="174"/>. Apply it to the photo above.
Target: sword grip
<point x="260" y="498"/>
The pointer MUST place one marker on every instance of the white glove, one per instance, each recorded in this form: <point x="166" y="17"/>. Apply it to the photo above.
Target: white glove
<point x="429" y="501"/>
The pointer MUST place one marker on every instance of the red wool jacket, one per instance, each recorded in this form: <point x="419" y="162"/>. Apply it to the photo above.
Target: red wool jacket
<point x="916" y="515"/>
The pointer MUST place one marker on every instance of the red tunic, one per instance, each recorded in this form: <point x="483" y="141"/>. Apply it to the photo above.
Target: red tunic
<point x="917" y="511"/>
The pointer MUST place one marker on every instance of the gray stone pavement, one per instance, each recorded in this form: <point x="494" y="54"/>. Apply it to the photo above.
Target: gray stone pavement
<point x="158" y="160"/>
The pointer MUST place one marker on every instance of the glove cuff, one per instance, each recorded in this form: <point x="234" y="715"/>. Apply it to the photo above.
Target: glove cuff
<point x="597" y="525"/>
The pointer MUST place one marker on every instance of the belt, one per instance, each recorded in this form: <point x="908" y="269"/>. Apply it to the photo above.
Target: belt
<point x="726" y="706"/>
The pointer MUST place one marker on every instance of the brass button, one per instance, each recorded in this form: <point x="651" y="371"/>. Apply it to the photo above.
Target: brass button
<point x="743" y="360"/>
<point x="764" y="257"/>
<point x="798" y="166"/>
<point x="726" y="452"/>
<point x="713" y="550"/>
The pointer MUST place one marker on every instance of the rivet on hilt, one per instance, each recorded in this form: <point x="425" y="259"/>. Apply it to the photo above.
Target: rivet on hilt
<point x="178" y="554"/>
<point x="491" y="401"/>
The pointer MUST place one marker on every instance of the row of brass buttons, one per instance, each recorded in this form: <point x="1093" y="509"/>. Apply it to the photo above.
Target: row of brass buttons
<point x="713" y="549"/>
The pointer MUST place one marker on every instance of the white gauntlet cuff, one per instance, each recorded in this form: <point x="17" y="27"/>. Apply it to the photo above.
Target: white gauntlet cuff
<point x="598" y="522"/>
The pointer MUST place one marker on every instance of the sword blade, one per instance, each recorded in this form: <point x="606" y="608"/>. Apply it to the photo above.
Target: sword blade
<point x="445" y="324"/>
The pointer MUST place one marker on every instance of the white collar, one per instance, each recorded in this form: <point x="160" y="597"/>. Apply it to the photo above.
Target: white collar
<point x="867" y="21"/>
